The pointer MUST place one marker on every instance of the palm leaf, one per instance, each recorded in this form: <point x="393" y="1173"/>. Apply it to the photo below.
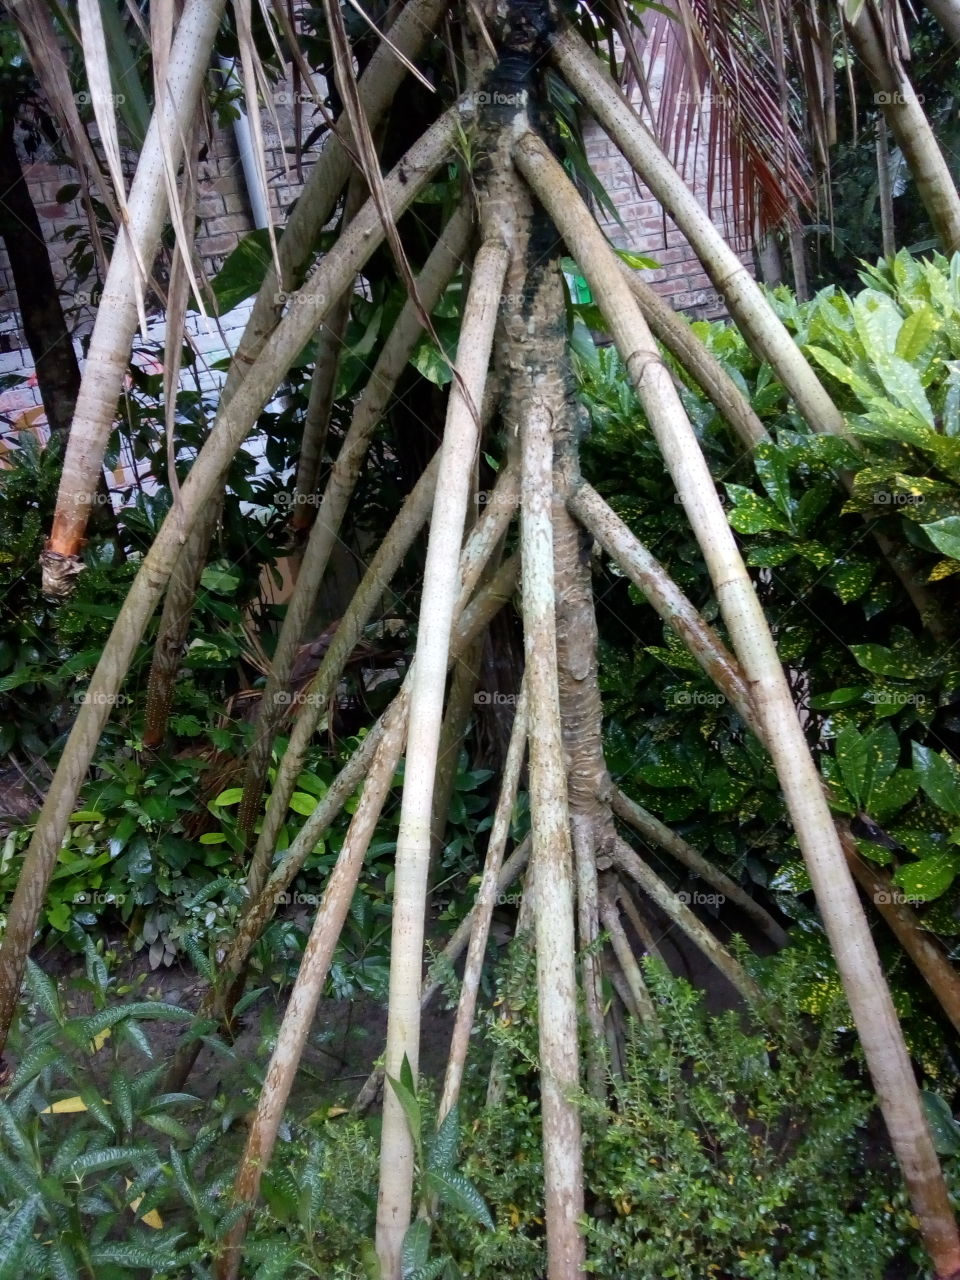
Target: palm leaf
<point x="727" y="104"/>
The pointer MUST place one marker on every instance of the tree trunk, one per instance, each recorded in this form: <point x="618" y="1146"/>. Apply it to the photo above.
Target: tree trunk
<point x="116" y="322"/>
<point x="168" y="648"/>
<point x="885" y="190"/>
<point x="436" y="274"/>
<point x="947" y="13"/>
<point x="461" y="440"/>
<point x="55" y="362"/>
<point x="836" y="894"/>
<point x="323" y="384"/>
<point x="743" y="298"/>
<point x="38" y="300"/>
<point x="483" y="910"/>
<point x="552" y="860"/>
<point x="719" y="664"/>
<point x="897" y="99"/>
<point x="312" y="974"/>
<point x="229" y="430"/>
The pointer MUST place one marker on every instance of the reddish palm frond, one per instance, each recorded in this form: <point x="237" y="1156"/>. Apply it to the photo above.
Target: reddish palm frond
<point x="727" y="102"/>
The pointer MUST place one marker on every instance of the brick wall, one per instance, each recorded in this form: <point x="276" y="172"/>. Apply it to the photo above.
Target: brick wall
<point x="679" y="276"/>
<point x="224" y="210"/>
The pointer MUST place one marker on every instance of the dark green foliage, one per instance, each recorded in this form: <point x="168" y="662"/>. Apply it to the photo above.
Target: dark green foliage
<point x="876" y="691"/>
<point x="100" y="1172"/>
<point x="726" y="1150"/>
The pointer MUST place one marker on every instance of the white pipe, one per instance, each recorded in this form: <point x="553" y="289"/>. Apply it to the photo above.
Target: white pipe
<point x="259" y="205"/>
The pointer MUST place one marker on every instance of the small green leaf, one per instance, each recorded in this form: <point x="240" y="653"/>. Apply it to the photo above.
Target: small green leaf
<point x="883" y="662"/>
<point x="891" y="796"/>
<point x="301" y="802"/>
<point x="938" y="778"/>
<point x="945" y="535"/>
<point x="774" y="472"/>
<point x="243" y="270"/>
<point x="636" y="260"/>
<point x="456" y="1190"/>
<point x="917" y="338"/>
<point x="850" y="752"/>
<point x="850" y="579"/>
<point x="220" y="580"/>
<point x="837" y="698"/>
<point x="43" y="991"/>
<point x="443" y="1151"/>
<point x="882" y="755"/>
<point x="428" y="361"/>
<point x="943" y="1127"/>
<point x="411" y="1107"/>
<point x="109" y="1158"/>
<point x="928" y="878"/>
<point x="16" y="1231"/>
<point x="167" y="1125"/>
<point x="771" y="556"/>
<point x="415" y="1248"/>
<point x="753" y="514"/>
<point x="213" y="837"/>
<point x="232" y="795"/>
<point x="841" y="371"/>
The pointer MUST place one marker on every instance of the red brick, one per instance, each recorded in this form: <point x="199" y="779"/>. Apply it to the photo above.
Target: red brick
<point x="223" y="244"/>
<point x="229" y="222"/>
<point x="211" y="206"/>
<point x="41" y="172"/>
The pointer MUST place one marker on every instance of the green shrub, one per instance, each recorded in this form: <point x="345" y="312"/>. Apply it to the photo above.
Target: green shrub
<point x="725" y="1151"/>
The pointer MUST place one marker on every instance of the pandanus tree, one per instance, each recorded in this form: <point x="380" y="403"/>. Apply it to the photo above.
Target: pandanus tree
<point x="512" y="392"/>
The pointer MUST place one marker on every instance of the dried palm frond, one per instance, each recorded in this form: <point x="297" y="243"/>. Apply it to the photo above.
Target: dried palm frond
<point x="41" y="43"/>
<point x="346" y="81"/>
<point x="182" y="208"/>
<point x="103" y="100"/>
<point x="727" y="101"/>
